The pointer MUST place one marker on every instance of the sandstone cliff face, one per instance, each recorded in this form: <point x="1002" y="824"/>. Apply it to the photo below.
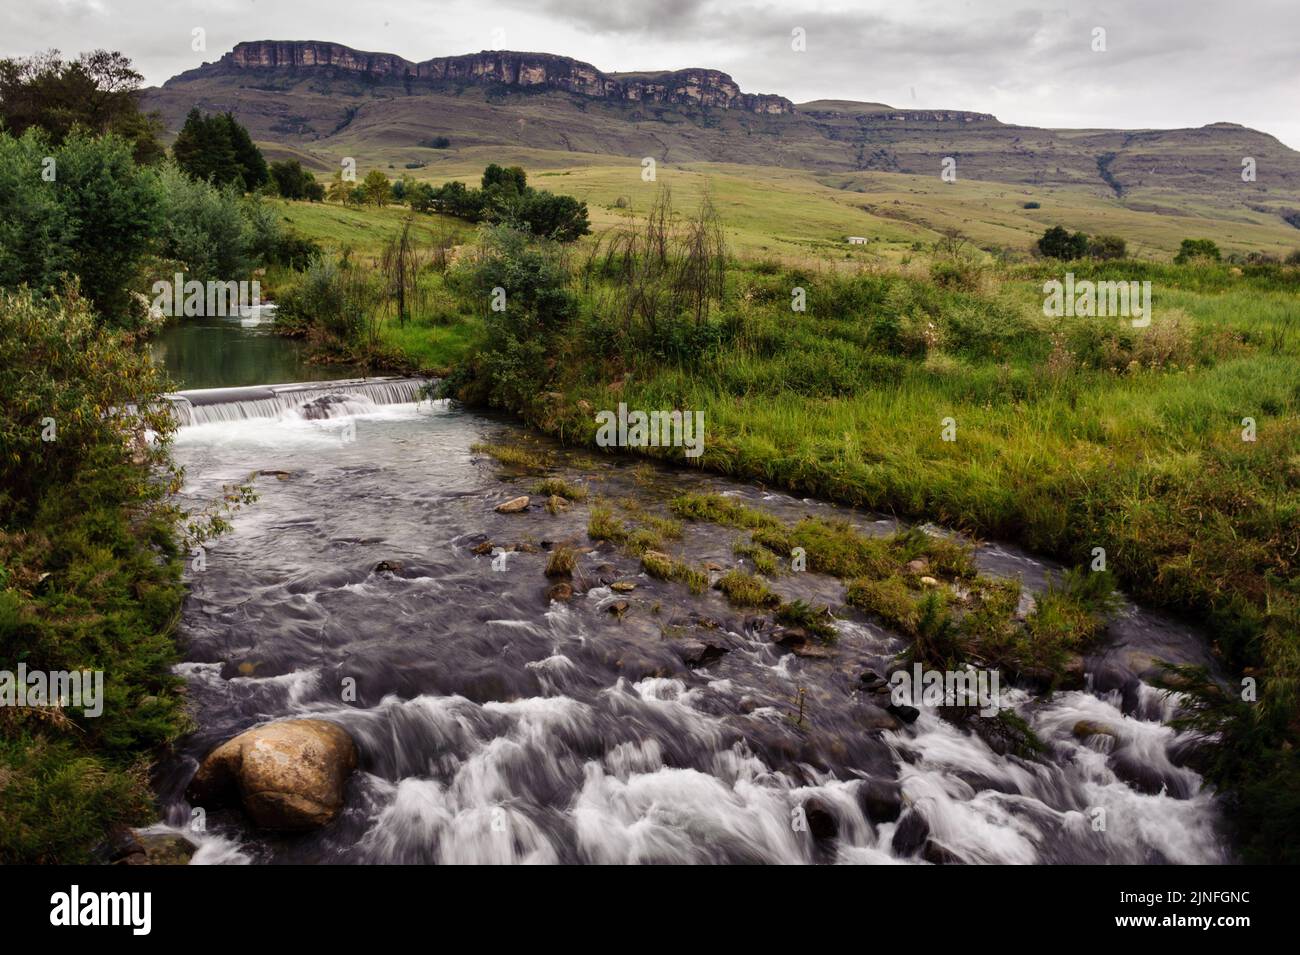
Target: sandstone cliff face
<point x="685" y="87"/>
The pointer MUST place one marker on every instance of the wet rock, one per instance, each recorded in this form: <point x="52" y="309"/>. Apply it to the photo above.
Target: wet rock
<point x="1131" y="769"/>
<point x="801" y="643"/>
<point x="388" y="567"/>
<point x="882" y="799"/>
<point x="278" y="475"/>
<point x="319" y="408"/>
<point x="560" y="592"/>
<point x="929" y="582"/>
<point x="911" y="834"/>
<point x="618" y="607"/>
<point x="485" y="547"/>
<point x="935" y="854"/>
<point x="875" y="719"/>
<point x="696" y="653"/>
<point x="821" y="820"/>
<point x="622" y="586"/>
<point x="918" y="566"/>
<point x="514" y="505"/>
<point x="1085" y="728"/>
<point x="286" y="775"/>
<point x="747" y="705"/>
<point x="907" y="714"/>
<point x="869" y="679"/>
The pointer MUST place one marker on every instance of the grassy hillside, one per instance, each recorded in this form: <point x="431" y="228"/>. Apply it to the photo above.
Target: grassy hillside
<point x="325" y="114"/>
<point x="794" y="215"/>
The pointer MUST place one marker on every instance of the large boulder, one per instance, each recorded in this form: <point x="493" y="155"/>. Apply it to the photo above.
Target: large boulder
<point x="286" y="775"/>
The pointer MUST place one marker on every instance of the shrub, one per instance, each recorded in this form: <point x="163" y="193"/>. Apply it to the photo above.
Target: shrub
<point x="1107" y="247"/>
<point x="293" y="182"/>
<point x="1192" y="249"/>
<point x="91" y="574"/>
<point x="514" y="365"/>
<point x="1058" y="243"/>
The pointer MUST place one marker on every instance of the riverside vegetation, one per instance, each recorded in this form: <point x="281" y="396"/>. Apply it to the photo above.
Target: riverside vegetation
<point x="1072" y="436"/>
<point x="92" y="543"/>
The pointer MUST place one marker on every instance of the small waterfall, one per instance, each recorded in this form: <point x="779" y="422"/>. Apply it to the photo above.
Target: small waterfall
<point x="309" y="399"/>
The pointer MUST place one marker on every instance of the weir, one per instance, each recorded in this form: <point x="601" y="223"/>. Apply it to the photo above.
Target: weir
<point x="310" y="399"/>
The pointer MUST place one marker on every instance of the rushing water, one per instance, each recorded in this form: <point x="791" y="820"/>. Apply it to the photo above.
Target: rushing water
<point x="495" y="725"/>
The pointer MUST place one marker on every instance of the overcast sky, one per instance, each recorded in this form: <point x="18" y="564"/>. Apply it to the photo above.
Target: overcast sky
<point x="1167" y="63"/>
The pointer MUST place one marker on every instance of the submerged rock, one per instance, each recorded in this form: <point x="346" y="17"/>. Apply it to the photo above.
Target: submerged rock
<point x="1085" y="728"/>
<point x="821" y="820"/>
<point x="514" y="505"/>
<point x="286" y="775"/>
<point x="696" y="653"/>
<point x="882" y="799"/>
<point x="907" y="714"/>
<point x="936" y="854"/>
<point x="911" y="834"/>
<point x="874" y="718"/>
<point x="560" y="592"/>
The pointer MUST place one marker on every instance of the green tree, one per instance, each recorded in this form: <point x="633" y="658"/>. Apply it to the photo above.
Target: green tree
<point x="294" y="182"/>
<point x="516" y="364"/>
<point x="96" y="220"/>
<point x="218" y="149"/>
<point x="1058" y="243"/>
<point x="248" y="158"/>
<point x="1197" y="249"/>
<point x="549" y="216"/>
<point x="99" y="91"/>
<point x="338" y="188"/>
<point x="504" y="178"/>
<point x="376" y="189"/>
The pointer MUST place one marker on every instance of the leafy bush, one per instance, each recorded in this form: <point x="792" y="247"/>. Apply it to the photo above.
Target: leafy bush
<point x="1058" y="243"/>
<point x="1192" y="249"/>
<point x="531" y="285"/>
<point x="1107" y="247"/>
<point x="293" y="182"/>
<point x="89" y="574"/>
<point x="96" y="220"/>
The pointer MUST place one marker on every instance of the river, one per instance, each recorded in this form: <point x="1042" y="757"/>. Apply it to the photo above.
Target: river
<point x="495" y="725"/>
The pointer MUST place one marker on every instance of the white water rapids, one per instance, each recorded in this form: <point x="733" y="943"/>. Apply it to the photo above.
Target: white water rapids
<point x="496" y="726"/>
